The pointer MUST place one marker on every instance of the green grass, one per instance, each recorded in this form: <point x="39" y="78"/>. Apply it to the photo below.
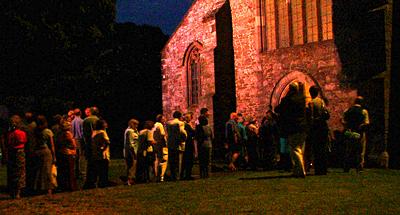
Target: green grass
<point x="375" y="191"/>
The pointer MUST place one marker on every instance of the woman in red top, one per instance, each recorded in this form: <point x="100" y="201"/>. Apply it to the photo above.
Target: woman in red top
<point x="16" y="157"/>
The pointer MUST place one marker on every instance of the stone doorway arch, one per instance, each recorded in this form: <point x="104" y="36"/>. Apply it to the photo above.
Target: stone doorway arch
<point x="282" y="86"/>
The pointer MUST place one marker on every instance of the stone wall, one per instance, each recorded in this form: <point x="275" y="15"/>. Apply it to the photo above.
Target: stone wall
<point x="257" y="73"/>
<point x="198" y="25"/>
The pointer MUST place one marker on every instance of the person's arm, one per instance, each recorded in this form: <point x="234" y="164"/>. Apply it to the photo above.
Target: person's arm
<point x="52" y="149"/>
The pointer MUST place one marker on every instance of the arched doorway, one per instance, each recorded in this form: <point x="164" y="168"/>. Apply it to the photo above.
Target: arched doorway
<point x="282" y="86"/>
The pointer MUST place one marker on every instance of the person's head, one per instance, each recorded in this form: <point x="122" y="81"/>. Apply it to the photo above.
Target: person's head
<point x="66" y="126"/>
<point x="177" y="115"/>
<point x="301" y="88"/>
<point x="28" y="116"/>
<point x="71" y="114"/>
<point x="160" y="118"/>
<point x="203" y="120"/>
<point x="188" y="117"/>
<point x="148" y="125"/>
<point x="240" y="118"/>
<point x="252" y="120"/>
<point x="359" y="100"/>
<point x="204" y="112"/>
<point x="234" y="116"/>
<point x="15" y="122"/>
<point x="41" y="122"/>
<point x="77" y="112"/>
<point x="133" y="123"/>
<point x="101" y="124"/>
<point x="58" y="119"/>
<point x="314" y="90"/>
<point x="293" y="88"/>
<point x="94" y="111"/>
<point x="87" y="111"/>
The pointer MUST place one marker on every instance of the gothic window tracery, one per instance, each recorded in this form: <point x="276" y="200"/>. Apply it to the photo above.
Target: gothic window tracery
<point x="193" y="71"/>
<point x="295" y="22"/>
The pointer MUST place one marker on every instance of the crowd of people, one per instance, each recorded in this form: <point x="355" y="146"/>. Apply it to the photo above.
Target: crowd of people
<point x="294" y="136"/>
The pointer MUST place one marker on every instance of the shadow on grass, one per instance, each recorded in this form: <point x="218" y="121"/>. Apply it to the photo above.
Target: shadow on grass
<point x="273" y="177"/>
<point x="267" y="177"/>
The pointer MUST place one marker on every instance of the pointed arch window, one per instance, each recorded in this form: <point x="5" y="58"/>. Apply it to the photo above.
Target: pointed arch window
<point x="193" y="71"/>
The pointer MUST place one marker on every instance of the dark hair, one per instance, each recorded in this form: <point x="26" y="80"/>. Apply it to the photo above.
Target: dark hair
<point x="101" y="124"/>
<point x="314" y="90"/>
<point x="41" y="121"/>
<point x="94" y="111"/>
<point x="148" y="124"/>
<point x="133" y="121"/>
<point x="15" y="122"/>
<point x="203" y="111"/>
<point x="159" y="117"/>
<point x="203" y="120"/>
<point x="177" y="114"/>
<point x="77" y="112"/>
<point x="359" y="100"/>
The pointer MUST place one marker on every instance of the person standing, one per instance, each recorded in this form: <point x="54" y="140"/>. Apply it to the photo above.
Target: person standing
<point x="100" y="154"/>
<point x="176" y="144"/>
<point x="77" y="131"/>
<point x="45" y="154"/>
<point x="252" y="143"/>
<point x="232" y="140"/>
<point x="269" y="139"/>
<point x="356" y="121"/>
<point x="146" y="155"/>
<point x="88" y="126"/>
<point x="188" y="155"/>
<point x="204" y="138"/>
<point x="319" y="131"/>
<point x="243" y="159"/>
<point x="292" y="110"/>
<point x="15" y="156"/>
<point x="66" y="147"/>
<point x="161" y="150"/>
<point x="131" y="145"/>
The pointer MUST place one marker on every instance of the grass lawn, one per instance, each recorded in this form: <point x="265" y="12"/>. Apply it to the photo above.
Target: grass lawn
<point x="375" y="191"/>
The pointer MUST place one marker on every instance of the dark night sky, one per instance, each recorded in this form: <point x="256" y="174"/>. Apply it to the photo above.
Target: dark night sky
<point x="165" y="14"/>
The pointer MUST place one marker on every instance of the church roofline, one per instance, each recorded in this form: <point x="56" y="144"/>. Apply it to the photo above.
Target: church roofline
<point x="212" y="13"/>
<point x="179" y="25"/>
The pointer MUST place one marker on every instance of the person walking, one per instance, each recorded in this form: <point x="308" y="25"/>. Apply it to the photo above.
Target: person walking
<point x="292" y="110"/>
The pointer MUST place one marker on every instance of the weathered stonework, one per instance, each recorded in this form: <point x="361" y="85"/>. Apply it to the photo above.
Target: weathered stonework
<point x="260" y="76"/>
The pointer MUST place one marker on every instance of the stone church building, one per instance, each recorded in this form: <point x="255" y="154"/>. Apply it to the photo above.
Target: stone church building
<point x="241" y="55"/>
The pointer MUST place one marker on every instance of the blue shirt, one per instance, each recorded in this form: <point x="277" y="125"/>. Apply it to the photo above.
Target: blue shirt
<point x="77" y="128"/>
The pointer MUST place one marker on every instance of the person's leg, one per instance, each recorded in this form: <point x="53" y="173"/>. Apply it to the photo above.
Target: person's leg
<point x="172" y="162"/>
<point x="103" y="173"/>
<point x="91" y="175"/>
<point x="363" y="145"/>
<point x="180" y="163"/>
<point x="296" y="142"/>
